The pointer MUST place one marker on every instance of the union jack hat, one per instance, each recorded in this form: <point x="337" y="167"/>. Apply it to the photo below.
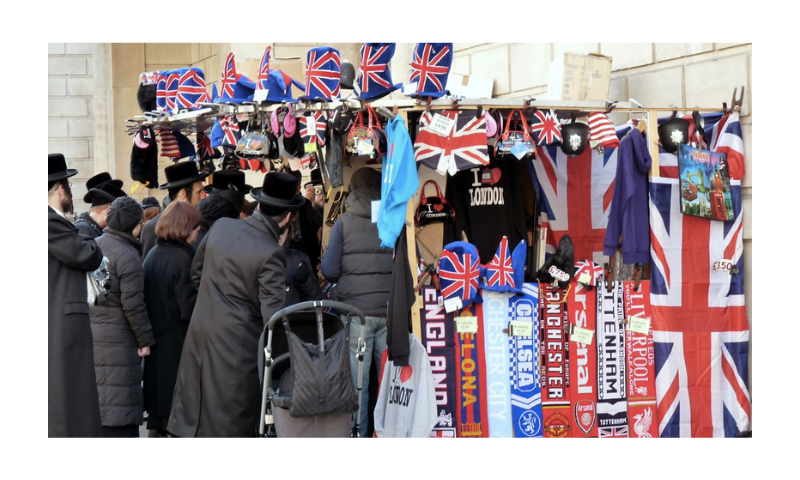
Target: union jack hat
<point x="192" y="90"/>
<point x="506" y="271"/>
<point x="545" y="127"/>
<point x="323" y="74"/>
<point x="459" y="272"/>
<point x="587" y="272"/>
<point x="173" y="80"/>
<point x="279" y="87"/>
<point x="234" y="87"/>
<point x="430" y="67"/>
<point x="161" y="90"/>
<point x="374" y="80"/>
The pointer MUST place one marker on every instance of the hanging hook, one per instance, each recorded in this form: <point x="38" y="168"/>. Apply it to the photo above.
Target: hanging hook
<point x="610" y="106"/>
<point x="428" y="105"/>
<point x="638" y="270"/>
<point x="737" y="103"/>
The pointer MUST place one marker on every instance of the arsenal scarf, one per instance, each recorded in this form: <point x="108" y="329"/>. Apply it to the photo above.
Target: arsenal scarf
<point x="612" y="408"/>
<point x="642" y="412"/>
<point x="526" y="389"/>
<point x="555" y="364"/>
<point x="582" y="311"/>
<point x="498" y="397"/>
<point x="438" y="338"/>
<point x="471" y="385"/>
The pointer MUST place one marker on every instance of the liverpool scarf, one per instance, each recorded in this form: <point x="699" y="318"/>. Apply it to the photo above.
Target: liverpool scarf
<point x="555" y="364"/>
<point x="438" y="337"/>
<point x="498" y="396"/>
<point x="642" y="413"/>
<point x="582" y="311"/>
<point x="526" y="389"/>
<point x="472" y="415"/>
<point x="612" y="408"/>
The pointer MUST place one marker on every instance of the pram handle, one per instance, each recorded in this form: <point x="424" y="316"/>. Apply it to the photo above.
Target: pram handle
<point x="316" y="305"/>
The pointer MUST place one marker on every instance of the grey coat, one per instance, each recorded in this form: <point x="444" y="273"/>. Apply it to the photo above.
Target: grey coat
<point x="72" y="405"/>
<point x="120" y="328"/>
<point x="239" y="270"/>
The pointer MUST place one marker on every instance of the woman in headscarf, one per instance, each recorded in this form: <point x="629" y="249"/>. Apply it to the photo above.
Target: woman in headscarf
<point x="121" y="329"/>
<point x="169" y="294"/>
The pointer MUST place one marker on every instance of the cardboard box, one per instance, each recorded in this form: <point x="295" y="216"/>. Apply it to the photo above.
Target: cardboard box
<point x="469" y="86"/>
<point x="579" y="77"/>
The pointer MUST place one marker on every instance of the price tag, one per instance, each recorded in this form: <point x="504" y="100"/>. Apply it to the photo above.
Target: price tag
<point x="522" y="328"/>
<point x="582" y="335"/>
<point x="364" y="147"/>
<point x="519" y="150"/>
<point x="452" y="304"/>
<point x="585" y="278"/>
<point x="639" y="325"/>
<point x="310" y="147"/>
<point x="376" y="206"/>
<point x="467" y="324"/>
<point x="441" y="124"/>
<point x="260" y="95"/>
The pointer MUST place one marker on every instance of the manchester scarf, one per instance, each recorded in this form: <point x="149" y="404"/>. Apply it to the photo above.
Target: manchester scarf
<point x="555" y="364"/>
<point x="612" y="408"/>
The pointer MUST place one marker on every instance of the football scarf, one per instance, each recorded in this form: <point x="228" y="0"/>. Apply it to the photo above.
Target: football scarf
<point x="438" y="337"/>
<point x="498" y="398"/>
<point x="582" y="311"/>
<point x="526" y="390"/>
<point x="612" y="408"/>
<point x="555" y="364"/>
<point x="642" y="413"/>
<point x="472" y="415"/>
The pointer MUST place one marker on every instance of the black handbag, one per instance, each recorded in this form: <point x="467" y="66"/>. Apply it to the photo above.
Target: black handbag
<point x="435" y="209"/>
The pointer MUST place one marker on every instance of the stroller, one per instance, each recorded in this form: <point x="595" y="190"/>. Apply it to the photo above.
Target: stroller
<point x="307" y="386"/>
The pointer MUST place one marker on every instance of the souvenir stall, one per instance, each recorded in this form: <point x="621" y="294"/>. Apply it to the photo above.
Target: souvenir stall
<point x="562" y="275"/>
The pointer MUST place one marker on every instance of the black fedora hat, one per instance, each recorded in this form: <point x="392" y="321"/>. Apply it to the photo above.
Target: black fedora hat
<point x="672" y="132"/>
<point x="279" y="191"/>
<point x="182" y="174"/>
<point x="229" y="179"/>
<point x="316" y="178"/>
<point x="574" y="137"/>
<point x="57" y="168"/>
<point x="103" y="194"/>
<point x="100" y="179"/>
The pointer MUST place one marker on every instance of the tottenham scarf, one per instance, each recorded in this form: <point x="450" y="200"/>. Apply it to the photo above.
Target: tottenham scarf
<point x="612" y="408"/>
<point x="498" y="395"/>
<point x="472" y="415"/>
<point x="582" y="310"/>
<point x="438" y="337"/>
<point x="555" y="364"/>
<point x="526" y="389"/>
<point x="642" y="413"/>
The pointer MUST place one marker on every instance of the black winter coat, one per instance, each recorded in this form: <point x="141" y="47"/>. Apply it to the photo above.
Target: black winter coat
<point x="120" y="328"/>
<point x="72" y="406"/>
<point x="87" y="226"/>
<point x="170" y="295"/>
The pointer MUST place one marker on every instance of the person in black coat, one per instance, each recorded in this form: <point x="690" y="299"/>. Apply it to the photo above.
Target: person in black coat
<point x="102" y="190"/>
<point x="169" y="295"/>
<point x="73" y="409"/>
<point x="121" y="329"/>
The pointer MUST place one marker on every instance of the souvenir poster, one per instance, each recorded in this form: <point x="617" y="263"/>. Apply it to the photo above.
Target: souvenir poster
<point x="705" y="184"/>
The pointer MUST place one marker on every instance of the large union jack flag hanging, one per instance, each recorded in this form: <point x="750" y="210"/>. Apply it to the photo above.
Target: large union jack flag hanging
<point x="191" y="89"/>
<point x="465" y="147"/>
<point x="430" y="68"/>
<point x="374" y="78"/>
<point x="323" y="74"/>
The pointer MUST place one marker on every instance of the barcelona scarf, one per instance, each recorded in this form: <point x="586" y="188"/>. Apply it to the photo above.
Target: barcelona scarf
<point x="612" y="408"/>
<point x="438" y="337"/>
<point x="642" y="412"/>
<point x="471" y="385"/>
<point x="555" y="364"/>
<point x="526" y="389"/>
<point x="498" y="395"/>
<point x="582" y="310"/>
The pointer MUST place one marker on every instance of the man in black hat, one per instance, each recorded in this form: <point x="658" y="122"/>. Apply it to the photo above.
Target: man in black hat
<point x="102" y="190"/>
<point x="184" y="182"/>
<point x="242" y="285"/>
<point x="73" y="406"/>
<point x="225" y="197"/>
<point x="314" y="192"/>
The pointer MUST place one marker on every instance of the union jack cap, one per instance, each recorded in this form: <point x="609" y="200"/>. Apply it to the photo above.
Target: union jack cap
<point x="374" y="80"/>
<point x="323" y="74"/>
<point x="191" y="89"/>
<point x="506" y="271"/>
<point x="430" y="67"/>
<point x="459" y="271"/>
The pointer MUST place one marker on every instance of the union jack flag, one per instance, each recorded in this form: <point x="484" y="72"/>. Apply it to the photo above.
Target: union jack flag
<point x="588" y="272"/>
<point x="699" y="321"/>
<point x="230" y="130"/>
<point x="459" y="279"/>
<point x="500" y="272"/>
<point x="545" y="127"/>
<point x="323" y="74"/>
<point x="431" y="66"/>
<point x="464" y="148"/>
<point x="191" y="89"/>
<point x="173" y="80"/>
<point x="228" y="78"/>
<point x="575" y="196"/>
<point x="373" y="75"/>
<point x="161" y="91"/>
<point x="725" y="136"/>
<point x="312" y="128"/>
<point x="263" y="70"/>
